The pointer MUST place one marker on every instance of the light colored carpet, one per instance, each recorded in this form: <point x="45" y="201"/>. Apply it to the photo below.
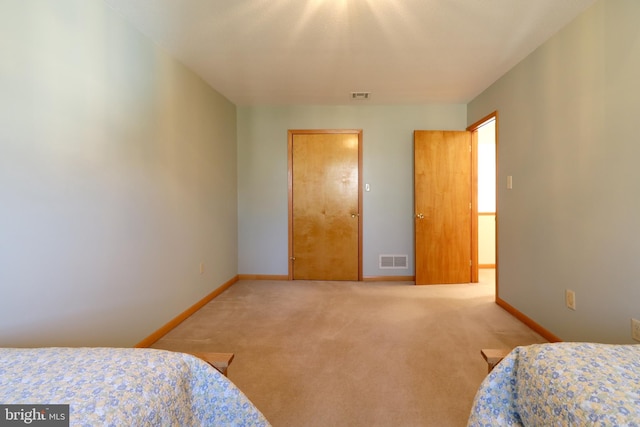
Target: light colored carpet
<point x="355" y="353"/>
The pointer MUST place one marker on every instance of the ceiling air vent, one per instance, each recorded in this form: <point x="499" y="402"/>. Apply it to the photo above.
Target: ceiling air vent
<point x="394" y="261"/>
<point x="360" y="95"/>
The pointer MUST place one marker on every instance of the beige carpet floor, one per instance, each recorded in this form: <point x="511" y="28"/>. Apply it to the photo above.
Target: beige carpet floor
<point x="355" y="353"/>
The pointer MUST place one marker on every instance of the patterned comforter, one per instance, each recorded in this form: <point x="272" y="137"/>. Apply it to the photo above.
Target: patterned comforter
<point x="118" y="387"/>
<point x="562" y="384"/>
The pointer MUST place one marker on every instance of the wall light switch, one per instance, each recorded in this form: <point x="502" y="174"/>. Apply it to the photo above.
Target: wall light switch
<point x="367" y="187"/>
<point x="570" y="299"/>
<point x="509" y="182"/>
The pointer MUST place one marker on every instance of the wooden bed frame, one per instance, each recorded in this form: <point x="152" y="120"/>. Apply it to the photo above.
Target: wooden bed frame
<point x="493" y="356"/>
<point x="220" y="361"/>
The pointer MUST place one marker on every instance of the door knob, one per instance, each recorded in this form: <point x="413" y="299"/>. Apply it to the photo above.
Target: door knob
<point x="353" y="215"/>
<point x="420" y="216"/>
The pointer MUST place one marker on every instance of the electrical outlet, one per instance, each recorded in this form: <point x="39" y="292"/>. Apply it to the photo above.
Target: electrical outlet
<point x="570" y="299"/>
<point x="635" y="329"/>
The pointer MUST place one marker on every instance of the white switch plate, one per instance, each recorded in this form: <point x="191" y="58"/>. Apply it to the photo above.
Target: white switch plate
<point x="202" y="268"/>
<point x="635" y="329"/>
<point x="509" y="182"/>
<point x="570" y="299"/>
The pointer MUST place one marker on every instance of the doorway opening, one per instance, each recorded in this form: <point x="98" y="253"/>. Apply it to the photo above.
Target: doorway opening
<point x="485" y="137"/>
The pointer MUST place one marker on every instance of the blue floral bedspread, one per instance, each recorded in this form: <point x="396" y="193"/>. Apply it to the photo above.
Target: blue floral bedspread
<point x="118" y="387"/>
<point x="562" y="384"/>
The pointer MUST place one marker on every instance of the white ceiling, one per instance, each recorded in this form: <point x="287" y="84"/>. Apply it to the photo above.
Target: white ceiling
<point x="277" y="52"/>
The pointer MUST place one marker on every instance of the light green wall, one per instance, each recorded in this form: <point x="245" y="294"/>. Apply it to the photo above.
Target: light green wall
<point x="387" y="168"/>
<point x="117" y="178"/>
<point x="568" y="135"/>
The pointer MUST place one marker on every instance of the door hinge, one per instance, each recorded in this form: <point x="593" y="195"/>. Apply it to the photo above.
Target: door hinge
<point x="470" y="263"/>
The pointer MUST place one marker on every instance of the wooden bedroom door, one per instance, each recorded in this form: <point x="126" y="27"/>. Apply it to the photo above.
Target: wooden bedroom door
<point x="442" y="184"/>
<point x="325" y="204"/>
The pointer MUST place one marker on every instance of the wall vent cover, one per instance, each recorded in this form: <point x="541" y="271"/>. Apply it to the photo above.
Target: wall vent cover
<point x="394" y="261"/>
<point x="360" y="95"/>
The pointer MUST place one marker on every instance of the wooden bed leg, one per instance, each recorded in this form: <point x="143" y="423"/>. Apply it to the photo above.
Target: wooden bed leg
<point x="220" y="361"/>
<point x="493" y="356"/>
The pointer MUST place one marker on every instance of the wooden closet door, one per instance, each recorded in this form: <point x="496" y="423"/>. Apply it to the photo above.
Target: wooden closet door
<point x="325" y="206"/>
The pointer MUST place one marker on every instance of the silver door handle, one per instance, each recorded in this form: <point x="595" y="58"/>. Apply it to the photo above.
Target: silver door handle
<point x="353" y="215"/>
